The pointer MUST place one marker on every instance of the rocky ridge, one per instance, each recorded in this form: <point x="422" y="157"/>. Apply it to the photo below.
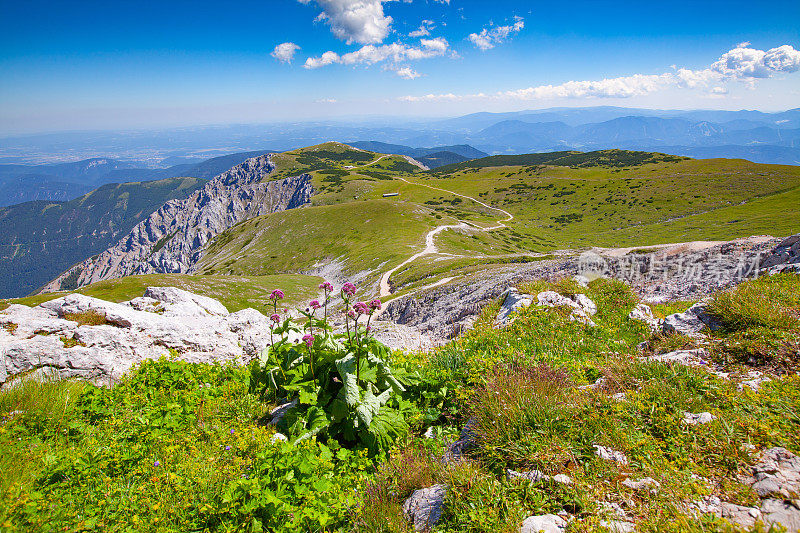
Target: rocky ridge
<point x="670" y="273"/>
<point x="173" y="239"/>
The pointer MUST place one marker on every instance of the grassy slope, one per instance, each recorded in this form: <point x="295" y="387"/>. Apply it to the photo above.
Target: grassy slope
<point x="234" y="292"/>
<point x="363" y="235"/>
<point x="608" y="198"/>
<point x="181" y="447"/>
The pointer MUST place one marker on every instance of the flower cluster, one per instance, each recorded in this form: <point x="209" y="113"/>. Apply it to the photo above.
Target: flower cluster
<point x="275" y="317"/>
<point x="314" y="304"/>
<point x="348" y="289"/>
<point x="361" y="308"/>
<point x="277" y="294"/>
<point x="326" y="286"/>
<point x="309" y="340"/>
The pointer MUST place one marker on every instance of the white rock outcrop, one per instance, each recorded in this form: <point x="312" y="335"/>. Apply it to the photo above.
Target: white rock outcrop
<point x="643" y="313"/>
<point x="582" y="306"/>
<point x="513" y="301"/>
<point x="691" y="322"/>
<point x="165" y="322"/>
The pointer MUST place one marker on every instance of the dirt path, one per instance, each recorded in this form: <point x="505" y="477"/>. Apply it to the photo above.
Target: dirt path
<point x="430" y="245"/>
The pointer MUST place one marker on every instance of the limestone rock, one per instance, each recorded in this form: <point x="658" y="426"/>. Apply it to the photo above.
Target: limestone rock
<point x="610" y="455"/>
<point x="190" y="327"/>
<point x="691" y="322"/>
<point x="733" y="513"/>
<point x="545" y="523"/>
<point x="643" y="313"/>
<point x="184" y="303"/>
<point x="754" y="380"/>
<point x="582" y="306"/>
<point x="512" y="302"/>
<point x="536" y="476"/>
<point x="278" y="437"/>
<point x="693" y="419"/>
<point x="647" y="483"/>
<point x="781" y="512"/>
<point x="279" y="412"/>
<point x="583" y="281"/>
<point x="466" y="441"/>
<point x="693" y="357"/>
<point x="786" y="253"/>
<point x="424" y="506"/>
<point x="777" y="474"/>
<point x="618" y="526"/>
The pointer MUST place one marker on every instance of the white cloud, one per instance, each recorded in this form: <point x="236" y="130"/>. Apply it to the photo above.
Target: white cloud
<point x="284" y="52"/>
<point x="424" y="29"/>
<point x="407" y="73"/>
<point x="327" y="101"/>
<point x="371" y="54"/>
<point x="489" y="37"/>
<point x="355" y="21"/>
<point x="740" y="64"/>
<point x="743" y="62"/>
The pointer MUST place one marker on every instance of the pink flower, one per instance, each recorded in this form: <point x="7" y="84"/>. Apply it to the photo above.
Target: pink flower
<point x="369" y="328"/>
<point x="275" y="318"/>
<point x="327" y="287"/>
<point x="375" y="304"/>
<point x="361" y="308"/>
<point x="351" y="314"/>
<point x="277" y="294"/>
<point x="314" y="304"/>
<point x="309" y="340"/>
<point x="349" y="289"/>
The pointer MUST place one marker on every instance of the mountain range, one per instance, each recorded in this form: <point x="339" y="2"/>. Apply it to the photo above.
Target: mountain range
<point x="40" y="239"/>
<point x="343" y="212"/>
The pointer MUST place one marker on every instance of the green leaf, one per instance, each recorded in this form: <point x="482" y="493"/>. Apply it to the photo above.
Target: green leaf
<point x="339" y="410"/>
<point x="370" y="406"/>
<point x="346" y="366"/>
<point x="317" y="421"/>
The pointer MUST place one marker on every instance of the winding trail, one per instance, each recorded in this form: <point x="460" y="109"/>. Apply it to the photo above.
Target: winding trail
<point x="430" y="245"/>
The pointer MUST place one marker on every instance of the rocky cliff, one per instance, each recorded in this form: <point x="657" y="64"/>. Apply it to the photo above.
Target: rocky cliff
<point x="172" y="239"/>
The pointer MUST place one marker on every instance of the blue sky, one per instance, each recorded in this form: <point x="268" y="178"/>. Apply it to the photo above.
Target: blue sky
<point x="87" y="65"/>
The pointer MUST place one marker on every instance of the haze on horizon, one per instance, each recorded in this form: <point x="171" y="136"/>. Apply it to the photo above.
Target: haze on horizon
<point x="96" y="65"/>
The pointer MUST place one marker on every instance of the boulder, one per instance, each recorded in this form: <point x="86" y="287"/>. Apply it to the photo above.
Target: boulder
<point x="184" y="303"/>
<point x="735" y="514"/>
<point x="583" y="281"/>
<point x="466" y="441"/>
<point x="691" y="322"/>
<point x="424" y="507"/>
<point x="545" y="523"/>
<point x="582" y="306"/>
